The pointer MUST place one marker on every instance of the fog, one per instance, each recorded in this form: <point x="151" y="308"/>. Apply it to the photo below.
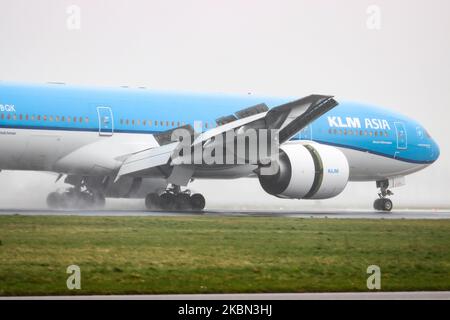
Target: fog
<point x="395" y="55"/>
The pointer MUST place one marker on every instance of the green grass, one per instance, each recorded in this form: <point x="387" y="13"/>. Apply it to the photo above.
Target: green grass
<point x="212" y="254"/>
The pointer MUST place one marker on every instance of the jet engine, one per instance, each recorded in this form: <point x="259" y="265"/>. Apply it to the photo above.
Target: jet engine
<point x="307" y="171"/>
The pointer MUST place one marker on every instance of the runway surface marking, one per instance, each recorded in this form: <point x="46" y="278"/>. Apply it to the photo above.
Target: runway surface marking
<point x="334" y="214"/>
<point x="416" y="295"/>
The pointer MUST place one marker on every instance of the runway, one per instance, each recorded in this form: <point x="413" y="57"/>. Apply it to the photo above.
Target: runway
<point x="415" y="295"/>
<point x="310" y="214"/>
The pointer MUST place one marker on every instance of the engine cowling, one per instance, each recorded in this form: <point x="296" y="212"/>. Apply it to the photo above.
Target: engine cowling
<point x="308" y="171"/>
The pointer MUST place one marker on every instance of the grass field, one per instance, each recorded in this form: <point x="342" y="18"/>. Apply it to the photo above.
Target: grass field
<point x="211" y="254"/>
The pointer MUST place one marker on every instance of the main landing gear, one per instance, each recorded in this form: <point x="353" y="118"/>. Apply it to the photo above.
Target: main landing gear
<point x="383" y="203"/>
<point x="76" y="198"/>
<point x="175" y="199"/>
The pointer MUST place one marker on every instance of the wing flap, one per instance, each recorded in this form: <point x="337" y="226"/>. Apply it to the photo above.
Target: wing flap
<point x="147" y="159"/>
<point x="291" y="117"/>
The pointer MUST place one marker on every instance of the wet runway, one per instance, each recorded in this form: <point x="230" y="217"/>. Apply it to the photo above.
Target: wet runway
<point x="334" y="214"/>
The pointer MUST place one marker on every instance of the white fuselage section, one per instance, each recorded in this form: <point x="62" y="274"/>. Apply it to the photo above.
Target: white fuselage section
<point x="91" y="154"/>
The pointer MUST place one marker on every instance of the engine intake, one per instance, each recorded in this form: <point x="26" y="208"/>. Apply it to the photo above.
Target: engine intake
<point x="308" y="171"/>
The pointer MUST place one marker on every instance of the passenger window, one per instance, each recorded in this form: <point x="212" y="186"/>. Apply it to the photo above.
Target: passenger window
<point x="86" y="119"/>
<point x="69" y="119"/>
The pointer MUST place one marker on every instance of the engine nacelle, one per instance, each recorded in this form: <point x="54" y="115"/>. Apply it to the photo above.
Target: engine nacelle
<point x="308" y="171"/>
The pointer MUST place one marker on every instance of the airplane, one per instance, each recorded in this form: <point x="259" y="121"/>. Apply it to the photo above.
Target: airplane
<point x="118" y="143"/>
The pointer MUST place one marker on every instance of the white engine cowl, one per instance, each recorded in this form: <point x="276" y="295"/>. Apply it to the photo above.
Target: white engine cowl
<point x="308" y="171"/>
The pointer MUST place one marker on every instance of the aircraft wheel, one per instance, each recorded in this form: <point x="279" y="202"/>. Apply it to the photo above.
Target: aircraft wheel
<point x="183" y="202"/>
<point x="383" y="204"/>
<point x="377" y="204"/>
<point x="152" y="201"/>
<point x="386" y="205"/>
<point x="198" y="201"/>
<point x="168" y="201"/>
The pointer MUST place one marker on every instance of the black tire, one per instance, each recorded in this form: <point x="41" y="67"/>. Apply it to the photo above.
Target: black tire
<point x="54" y="200"/>
<point x="387" y="205"/>
<point x="183" y="202"/>
<point x="152" y="201"/>
<point x="198" y="201"/>
<point x="376" y="204"/>
<point x="168" y="201"/>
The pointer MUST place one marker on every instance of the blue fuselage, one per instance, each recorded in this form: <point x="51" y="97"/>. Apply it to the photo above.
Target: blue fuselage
<point x="59" y="107"/>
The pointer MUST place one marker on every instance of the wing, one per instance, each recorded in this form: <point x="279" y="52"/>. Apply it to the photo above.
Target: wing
<point x="288" y="119"/>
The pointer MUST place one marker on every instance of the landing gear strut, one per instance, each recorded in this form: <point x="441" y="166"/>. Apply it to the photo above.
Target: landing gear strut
<point x="383" y="203"/>
<point x="175" y="199"/>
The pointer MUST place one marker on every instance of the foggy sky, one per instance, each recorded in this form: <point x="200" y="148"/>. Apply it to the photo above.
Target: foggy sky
<point x="284" y="48"/>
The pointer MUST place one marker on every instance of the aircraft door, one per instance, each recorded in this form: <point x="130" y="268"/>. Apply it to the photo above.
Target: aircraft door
<point x="402" y="139"/>
<point x="105" y="121"/>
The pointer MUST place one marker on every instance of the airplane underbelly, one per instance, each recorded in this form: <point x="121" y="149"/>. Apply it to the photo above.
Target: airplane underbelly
<point x="42" y="151"/>
<point x="25" y="149"/>
<point x="12" y="147"/>
<point x="365" y="166"/>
